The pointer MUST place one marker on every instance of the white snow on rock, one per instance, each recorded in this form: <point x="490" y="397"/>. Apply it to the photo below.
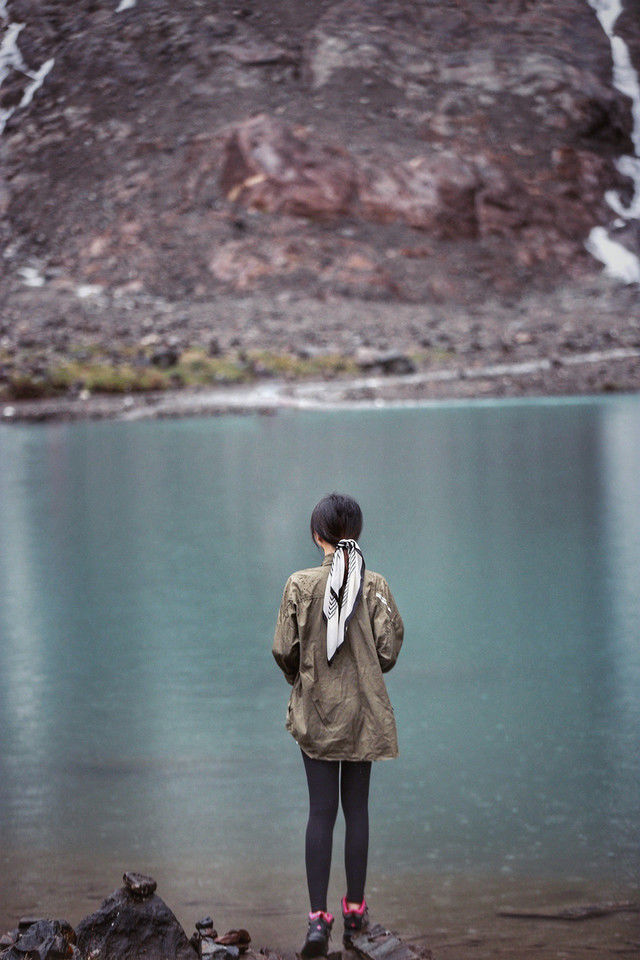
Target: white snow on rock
<point x="31" y="277"/>
<point x="125" y="5"/>
<point x="10" y="55"/>
<point x="36" y="82"/>
<point x="88" y="290"/>
<point x="618" y="261"/>
<point x="11" y="59"/>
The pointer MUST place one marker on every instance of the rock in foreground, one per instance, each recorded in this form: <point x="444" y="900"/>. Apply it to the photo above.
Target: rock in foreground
<point x="134" y="923"/>
<point x="377" y="943"/>
<point x="41" y="940"/>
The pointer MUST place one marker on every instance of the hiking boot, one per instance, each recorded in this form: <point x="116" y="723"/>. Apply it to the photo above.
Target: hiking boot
<point x="317" y="942"/>
<point x="355" y="921"/>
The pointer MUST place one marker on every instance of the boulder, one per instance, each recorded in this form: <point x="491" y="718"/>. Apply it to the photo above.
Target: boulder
<point x="164" y="357"/>
<point x="42" y="940"/>
<point x="389" y="362"/>
<point x="377" y="943"/>
<point x="209" y="946"/>
<point x="131" y="923"/>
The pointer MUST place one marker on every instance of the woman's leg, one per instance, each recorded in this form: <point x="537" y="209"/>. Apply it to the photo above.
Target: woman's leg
<point x="354" y="792"/>
<point x="322" y="779"/>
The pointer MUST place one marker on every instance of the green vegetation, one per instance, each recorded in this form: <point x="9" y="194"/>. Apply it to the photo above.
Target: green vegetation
<point x="268" y="363"/>
<point x="196" y="368"/>
<point x="130" y="370"/>
<point x="101" y="377"/>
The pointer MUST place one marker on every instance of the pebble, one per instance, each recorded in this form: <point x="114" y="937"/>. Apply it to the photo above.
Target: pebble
<point x="139" y="885"/>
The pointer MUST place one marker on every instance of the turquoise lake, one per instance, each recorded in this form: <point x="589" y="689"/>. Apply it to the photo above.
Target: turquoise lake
<point x="142" y="714"/>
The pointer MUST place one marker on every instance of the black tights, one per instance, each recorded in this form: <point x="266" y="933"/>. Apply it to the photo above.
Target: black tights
<point x="327" y="779"/>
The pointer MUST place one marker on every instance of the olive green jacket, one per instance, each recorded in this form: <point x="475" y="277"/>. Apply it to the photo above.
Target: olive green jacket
<point x="339" y="710"/>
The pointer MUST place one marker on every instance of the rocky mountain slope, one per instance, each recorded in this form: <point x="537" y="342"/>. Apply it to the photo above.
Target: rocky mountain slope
<point x="212" y="177"/>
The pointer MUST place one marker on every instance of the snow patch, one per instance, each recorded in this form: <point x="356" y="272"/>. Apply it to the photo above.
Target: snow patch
<point x="10" y="55"/>
<point x="31" y="277"/>
<point x="88" y="290"/>
<point x="36" y="82"/>
<point x="11" y="59"/>
<point x="125" y="5"/>
<point x="618" y="261"/>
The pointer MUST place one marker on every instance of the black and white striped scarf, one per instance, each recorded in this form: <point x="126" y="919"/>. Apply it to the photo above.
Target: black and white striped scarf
<point x="340" y="603"/>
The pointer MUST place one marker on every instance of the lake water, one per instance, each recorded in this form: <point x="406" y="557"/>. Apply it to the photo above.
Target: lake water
<point x="142" y="715"/>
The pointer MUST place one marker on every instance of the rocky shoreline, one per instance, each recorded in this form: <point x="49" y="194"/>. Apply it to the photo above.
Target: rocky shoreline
<point x="585" y="341"/>
<point x="583" y="374"/>
<point x="134" y="921"/>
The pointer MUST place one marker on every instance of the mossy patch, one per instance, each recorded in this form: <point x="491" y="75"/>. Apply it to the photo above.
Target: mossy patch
<point x="196" y="368"/>
<point x="270" y="363"/>
<point x="102" y="377"/>
<point x="115" y="370"/>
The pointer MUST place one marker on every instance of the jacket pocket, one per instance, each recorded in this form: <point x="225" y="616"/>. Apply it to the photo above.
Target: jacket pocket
<point x="317" y="704"/>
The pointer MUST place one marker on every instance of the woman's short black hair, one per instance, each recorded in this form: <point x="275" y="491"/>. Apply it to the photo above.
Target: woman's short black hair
<point x="336" y="517"/>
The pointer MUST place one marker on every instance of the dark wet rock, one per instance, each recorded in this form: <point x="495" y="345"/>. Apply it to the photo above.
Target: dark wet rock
<point x="140" y="886"/>
<point x="165" y="357"/>
<point x="27" y="921"/>
<point x="379" y="944"/>
<point x="209" y="945"/>
<point x="387" y="362"/>
<point x="223" y="952"/>
<point x="203" y="940"/>
<point x="126" y="927"/>
<point x="43" y="940"/>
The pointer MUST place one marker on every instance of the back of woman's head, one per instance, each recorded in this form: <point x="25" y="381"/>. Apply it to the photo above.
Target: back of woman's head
<point x="336" y="517"/>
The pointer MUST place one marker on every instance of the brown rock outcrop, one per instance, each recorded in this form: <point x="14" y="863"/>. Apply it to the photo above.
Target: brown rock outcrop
<point x="269" y="166"/>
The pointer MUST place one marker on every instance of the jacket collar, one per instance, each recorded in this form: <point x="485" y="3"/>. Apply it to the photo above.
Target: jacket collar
<point x="327" y="560"/>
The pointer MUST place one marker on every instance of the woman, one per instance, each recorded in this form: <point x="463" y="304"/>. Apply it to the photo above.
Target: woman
<point x="338" y="631"/>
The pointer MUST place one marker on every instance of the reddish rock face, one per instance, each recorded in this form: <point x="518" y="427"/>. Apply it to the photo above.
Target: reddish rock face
<point x="430" y="193"/>
<point x="270" y="167"/>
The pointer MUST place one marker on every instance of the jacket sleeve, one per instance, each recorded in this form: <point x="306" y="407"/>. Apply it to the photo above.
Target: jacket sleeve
<point x="387" y="625"/>
<point x="286" y="644"/>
